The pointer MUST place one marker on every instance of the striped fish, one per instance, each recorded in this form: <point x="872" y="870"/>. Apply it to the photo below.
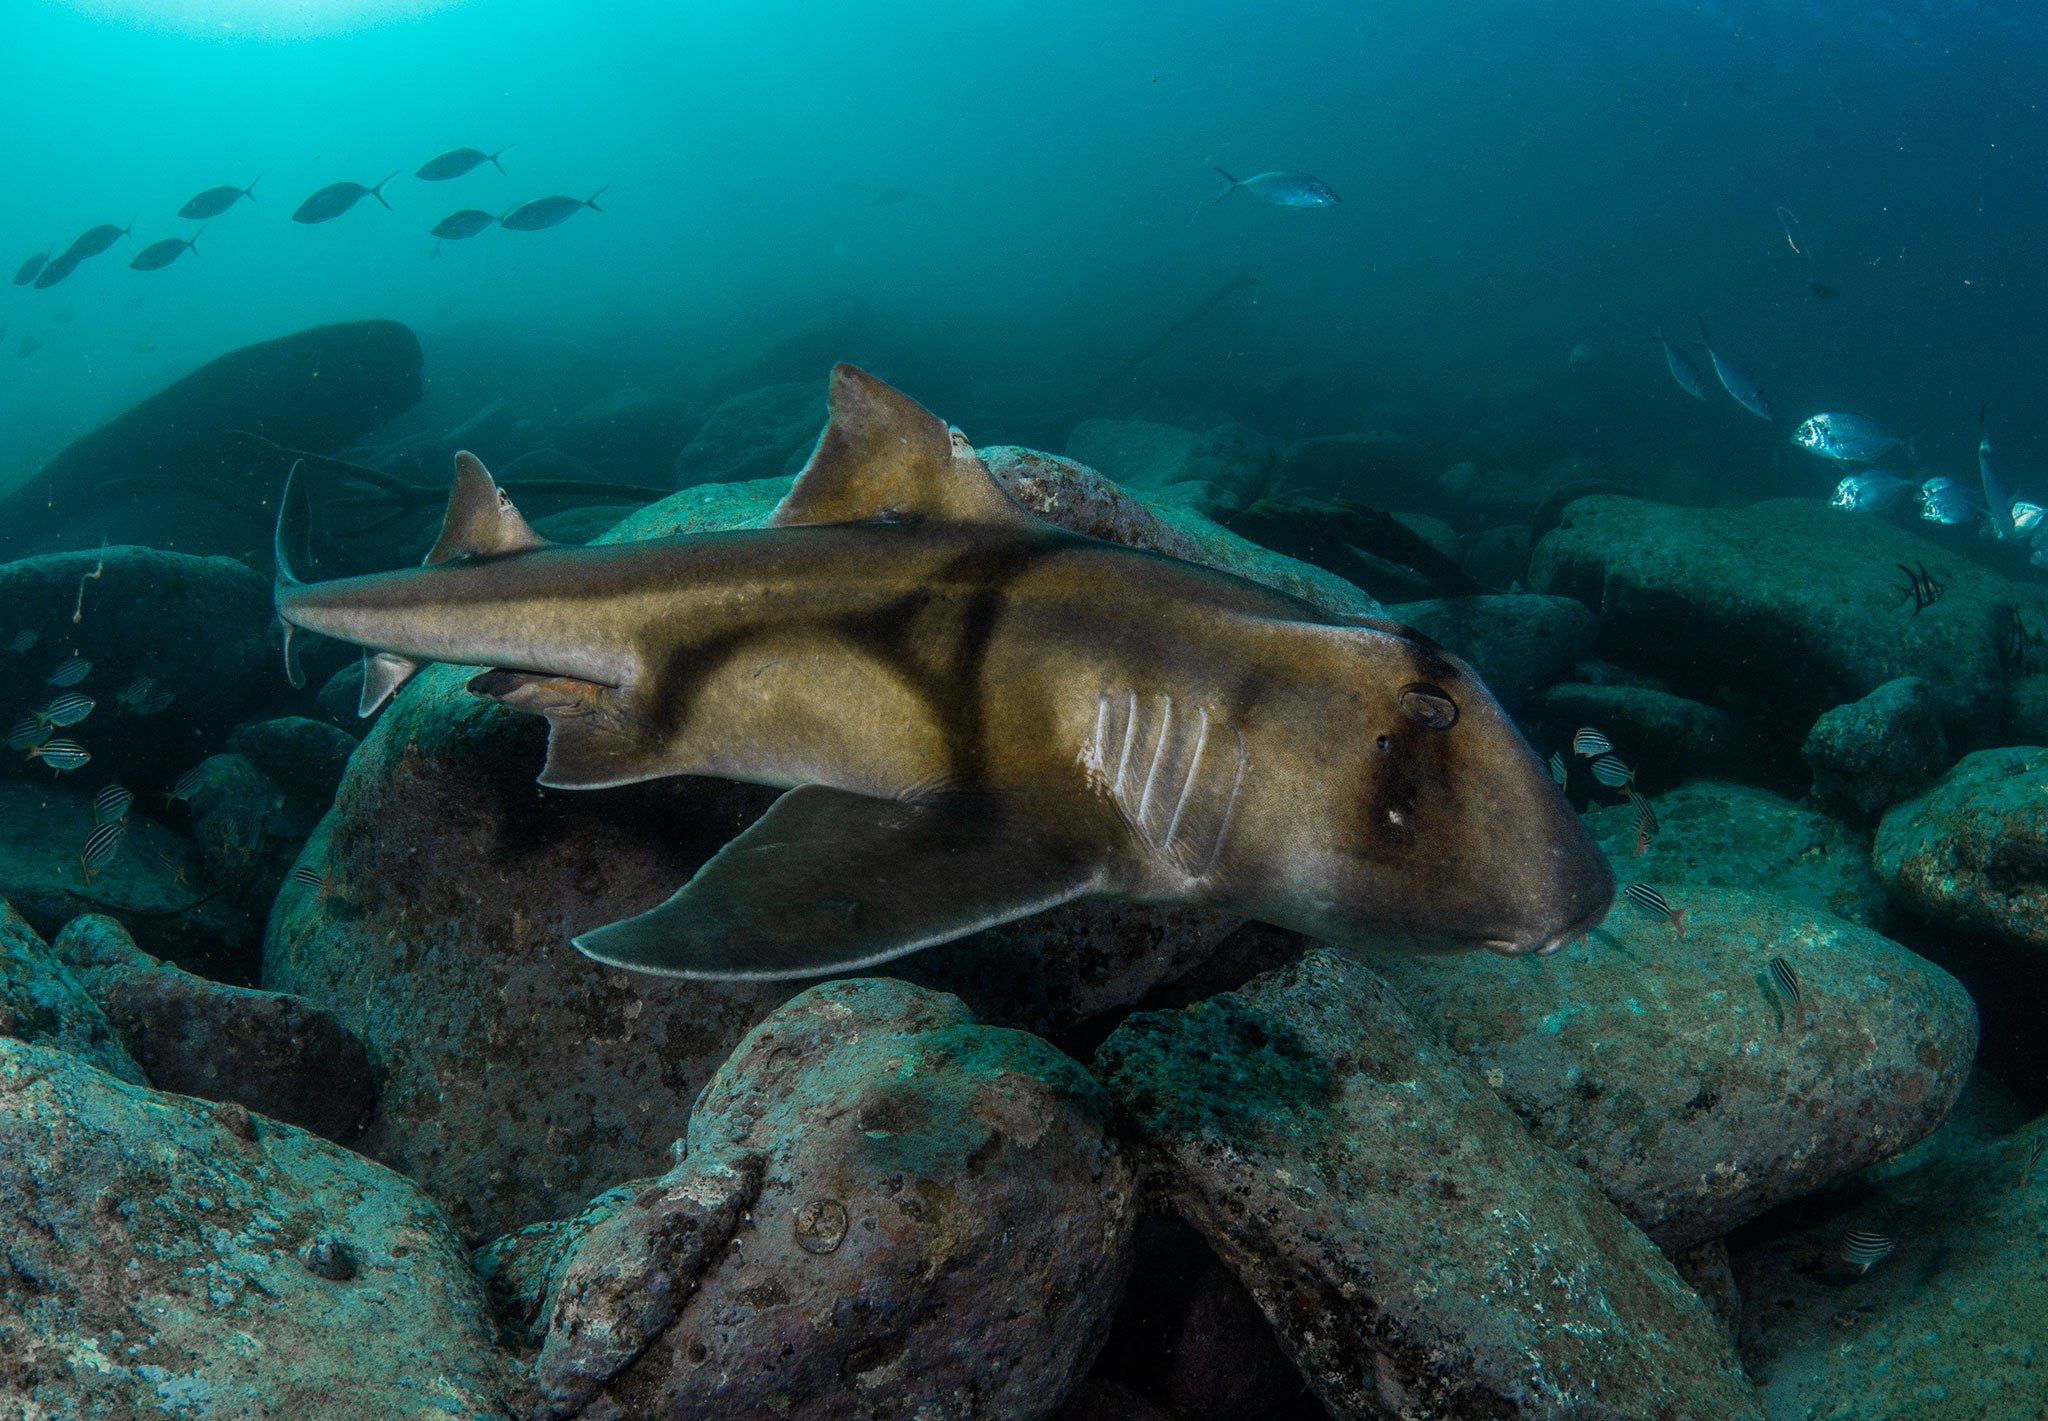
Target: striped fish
<point x="27" y="731"/>
<point x="136" y="690"/>
<point x="1591" y="742"/>
<point x="189" y="784"/>
<point x="322" y="884"/>
<point x="169" y="861"/>
<point x="23" y="640"/>
<point x="110" y="805"/>
<point x="1786" y="980"/>
<point x="70" y="672"/>
<point x="100" y="848"/>
<point x="61" y="755"/>
<point x="1652" y="904"/>
<point x="1866" y="1249"/>
<point x="157" y="700"/>
<point x="1557" y="771"/>
<point x="1610" y="771"/>
<point x="2040" y="1142"/>
<point x="67" y="710"/>
<point x="1646" y="817"/>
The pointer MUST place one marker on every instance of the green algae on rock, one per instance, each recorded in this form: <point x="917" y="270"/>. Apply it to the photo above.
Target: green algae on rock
<point x="1686" y="1086"/>
<point x="1417" y="1252"/>
<point x="154" y="1247"/>
<point x="871" y="1185"/>
<point x="1972" y="853"/>
<point x="43" y="1003"/>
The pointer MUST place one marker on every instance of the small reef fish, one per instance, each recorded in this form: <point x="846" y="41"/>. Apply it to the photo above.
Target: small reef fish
<point x="2034" y="1150"/>
<point x="1864" y="1249"/>
<point x="149" y="702"/>
<point x="1282" y="189"/>
<point x="67" y="710"/>
<point x="1845" y="438"/>
<point x="1589" y="741"/>
<point x="100" y="847"/>
<point x="336" y="198"/>
<point x="1647" y="824"/>
<point x="1787" y="983"/>
<point x="61" y="755"/>
<point x="1652" y="904"/>
<point x="1557" y="771"/>
<point x="1944" y="500"/>
<point x="323" y="884"/>
<point x="23" y="640"/>
<point x="1872" y="491"/>
<point x="94" y="241"/>
<point x="466" y="223"/>
<point x="30" y="269"/>
<point x="1734" y="379"/>
<point x="1997" y="494"/>
<point x="158" y="255"/>
<point x="1609" y="770"/>
<point x="27" y="731"/>
<point x="457" y="161"/>
<point x="189" y="783"/>
<point x="216" y="200"/>
<point x="1688" y="375"/>
<point x="111" y="804"/>
<point x="140" y="689"/>
<point x="177" y="869"/>
<point x="545" y="212"/>
<point x="1177" y="780"/>
<point x="70" y="672"/>
<point x="1920" y="586"/>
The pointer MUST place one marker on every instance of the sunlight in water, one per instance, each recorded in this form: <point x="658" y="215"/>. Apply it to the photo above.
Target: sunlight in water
<point x="259" y="19"/>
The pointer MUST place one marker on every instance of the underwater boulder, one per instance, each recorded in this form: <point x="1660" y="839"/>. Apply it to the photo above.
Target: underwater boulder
<point x="44" y="1004"/>
<point x="757" y="435"/>
<point x="156" y="884"/>
<point x="881" y="1208"/>
<point x="1716" y="834"/>
<point x="277" y="1055"/>
<point x="1518" y="644"/>
<point x="1415" y="1250"/>
<point x="181" y="470"/>
<point x="1943" y="1320"/>
<point x="1664" y="738"/>
<point x="630" y="436"/>
<point x="304" y="758"/>
<point x="1376" y="467"/>
<point x="171" y="1256"/>
<point x="1686" y="1082"/>
<point x="1227" y="467"/>
<point x="1971" y="854"/>
<point x="1870" y="754"/>
<point x="1785" y="609"/>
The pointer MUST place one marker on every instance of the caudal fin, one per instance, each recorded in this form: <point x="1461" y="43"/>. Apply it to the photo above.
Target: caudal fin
<point x="250" y="191"/>
<point x="378" y="191"/>
<point x="1234" y="185"/>
<point x="500" y="153"/>
<point x="591" y="201"/>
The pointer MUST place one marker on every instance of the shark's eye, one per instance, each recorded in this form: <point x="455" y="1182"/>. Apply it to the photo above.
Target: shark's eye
<point x="1428" y="706"/>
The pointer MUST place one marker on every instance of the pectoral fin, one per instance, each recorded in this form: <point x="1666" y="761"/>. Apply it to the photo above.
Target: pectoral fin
<point x="828" y="881"/>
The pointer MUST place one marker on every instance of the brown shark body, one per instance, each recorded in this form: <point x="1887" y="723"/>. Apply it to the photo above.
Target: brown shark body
<point x="977" y="716"/>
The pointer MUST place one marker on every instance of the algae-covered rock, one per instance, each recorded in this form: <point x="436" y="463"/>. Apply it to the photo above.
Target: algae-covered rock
<point x="1681" y="1080"/>
<point x="1224" y="468"/>
<point x="884" y="1209"/>
<point x="166" y="1256"/>
<point x="1787" y="606"/>
<point x="1946" y="1326"/>
<point x="279" y="1055"/>
<point x="43" y="1003"/>
<point x="303" y="757"/>
<point x="1870" y="754"/>
<point x="1417" y="1252"/>
<point x="1972" y="853"/>
<point x="1712" y="834"/>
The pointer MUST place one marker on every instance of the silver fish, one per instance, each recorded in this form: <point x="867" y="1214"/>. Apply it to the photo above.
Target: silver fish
<point x="1735" y="380"/>
<point x="1943" y="500"/>
<point x="1847" y="438"/>
<point x="158" y="255"/>
<point x="457" y="161"/>
<point x="1282" y="189"/>
<point x="93" y="242"/>
<point x="1681" y="367"/>
<point x="55" y="270"/>
<point x="545" y="212"/>
<point x="2026" y="517"/>
<point x="336" y="198"/>
<point x="1871" y="491"/>
<point x="216" y="200"/>
<point x="466" y="223"/>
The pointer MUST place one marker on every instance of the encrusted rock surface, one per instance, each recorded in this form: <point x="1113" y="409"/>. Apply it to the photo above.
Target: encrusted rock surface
<point x="1971" y="854"/>
<point x="44" y="1004"/>
<point x="1869" y="754"/>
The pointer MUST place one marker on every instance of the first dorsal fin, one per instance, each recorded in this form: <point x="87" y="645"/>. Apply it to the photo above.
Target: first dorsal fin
<point x="883" y="455"/>
<point x="481" y="520"/>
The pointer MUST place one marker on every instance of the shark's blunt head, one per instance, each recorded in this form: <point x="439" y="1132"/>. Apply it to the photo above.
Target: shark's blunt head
<point x="1446" y="833"/>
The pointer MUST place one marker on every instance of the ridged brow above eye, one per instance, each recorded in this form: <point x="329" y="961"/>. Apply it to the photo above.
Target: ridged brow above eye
<point x="1429" y="706"/>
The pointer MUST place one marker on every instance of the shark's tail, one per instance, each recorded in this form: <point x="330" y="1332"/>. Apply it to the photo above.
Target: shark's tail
<point x="291" y="547"/>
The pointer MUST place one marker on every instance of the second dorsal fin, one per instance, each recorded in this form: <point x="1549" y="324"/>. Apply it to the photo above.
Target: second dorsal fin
<point x="481" y="520"/>
<point x="883" y="455"/>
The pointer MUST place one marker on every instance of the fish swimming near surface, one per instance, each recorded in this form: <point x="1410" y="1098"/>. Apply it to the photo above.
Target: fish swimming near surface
<point x="28" y="270"/>
<point x="336" y="198"/>
<point x="1734" y="379"/>
<point x="1872" y="491"/>
<point x="1303" y="190"/>
<point x="158" y="255"/>
<point x="466" y="223"/>
<point x="545" y="212"/>
<point x="976" y="715"/>
<point x="216" y="200"/>
<point x="1688" y="375"/>
<point x="1846" y="438"/>
<point x="457" y="161"/>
